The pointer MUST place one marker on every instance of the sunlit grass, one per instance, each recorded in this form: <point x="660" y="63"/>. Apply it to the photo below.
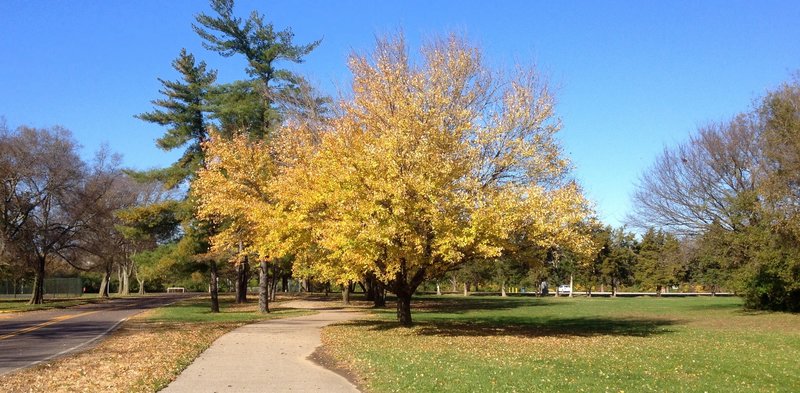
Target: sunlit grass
<point x="567" y="345"/>
<point x="198" y="310"/>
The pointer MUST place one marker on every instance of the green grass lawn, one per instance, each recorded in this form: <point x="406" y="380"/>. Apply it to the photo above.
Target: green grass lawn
<point x="198" y="310"/>
<point x="572" y="345"/>
<point x="21" y="303"/>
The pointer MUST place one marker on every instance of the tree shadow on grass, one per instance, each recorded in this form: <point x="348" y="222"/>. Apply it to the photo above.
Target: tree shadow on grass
<point x="716" y="307"/>
<point x="532" y="327"/>
<point x="457" y="305"/>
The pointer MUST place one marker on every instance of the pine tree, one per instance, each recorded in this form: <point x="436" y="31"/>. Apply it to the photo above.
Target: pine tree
<point x="262" y="46"/>
<point x="646" y="273"/>
<point x="249" y="107"/>
<point x="183" y="109"/>
<point x="194" y="105"/>
<point x="618" y="266"/>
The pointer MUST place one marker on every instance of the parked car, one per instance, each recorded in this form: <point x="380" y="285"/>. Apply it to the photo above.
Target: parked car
<point x="564" y="289"/>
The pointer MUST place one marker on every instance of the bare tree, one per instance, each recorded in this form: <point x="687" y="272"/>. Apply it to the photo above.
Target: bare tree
<point x="735" y="190"/>
<point x="702" y="182"/>
<point x="102" y="239"/>
<point x="48" y="195"/>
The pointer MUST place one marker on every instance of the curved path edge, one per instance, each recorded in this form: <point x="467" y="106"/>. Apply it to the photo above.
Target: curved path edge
<point x="272" y="355"/>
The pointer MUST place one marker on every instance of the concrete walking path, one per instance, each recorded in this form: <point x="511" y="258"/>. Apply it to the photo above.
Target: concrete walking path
<point x="268" y="356"/>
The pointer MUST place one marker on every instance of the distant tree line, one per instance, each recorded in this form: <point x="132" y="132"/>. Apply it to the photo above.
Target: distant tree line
<point x="731" y="194"/>
<point x="718" y="212"/>
<point x="654" y="262"/>
<point x="58" y="211"/>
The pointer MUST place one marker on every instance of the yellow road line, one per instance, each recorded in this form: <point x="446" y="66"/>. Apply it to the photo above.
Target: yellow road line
<point x="44" y="324"/>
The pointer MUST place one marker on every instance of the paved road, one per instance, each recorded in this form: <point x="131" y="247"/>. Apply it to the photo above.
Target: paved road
<point x="29" y="338"/>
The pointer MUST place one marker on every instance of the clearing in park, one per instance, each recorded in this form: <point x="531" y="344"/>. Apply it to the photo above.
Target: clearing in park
<point x="573" y="345"/>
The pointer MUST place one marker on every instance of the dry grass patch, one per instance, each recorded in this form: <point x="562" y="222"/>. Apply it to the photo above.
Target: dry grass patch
<point x="144" y="355"/>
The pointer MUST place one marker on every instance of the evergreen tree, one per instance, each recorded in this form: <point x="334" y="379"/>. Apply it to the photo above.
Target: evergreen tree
<point x="590" y="273"/>
<point x="262" y="46"/>
<point x="659" y="261"/>
<point x="184" y="111"/>
<point x="251" y="107"/>
<point x="238" y="107"/>
<point x="618" y="265"/>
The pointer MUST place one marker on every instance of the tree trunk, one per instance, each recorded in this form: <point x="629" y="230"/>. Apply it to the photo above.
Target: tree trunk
<point x="379" y="296"/>
<point x="125" y="288"/>
<point x="346" y="294"/>
<point x="369" y="286"/>
<point x="658" y="290"/>
<point x="241" y="281"/>
<point x="119" y="280"/>
<point x="37" y="296"/>
<point x="404" y="309"/>
<point x="213" y="288"/>
<point x="104" y="284"/>
<point x="370" y="292"/>
<point x="613" y="287"/>
<point x="571" y="289"/>
<point x="285" y="283"/>
<point x="404" y="286"/>
<point x="263" y="289"/>
<point x="466" y="289"/>
<point x="138" y="279"/>
<point x="273" y="283"/>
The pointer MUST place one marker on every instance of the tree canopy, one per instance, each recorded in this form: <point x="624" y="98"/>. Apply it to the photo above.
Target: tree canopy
<point x="732" y="191"/>
<point x="425" y="167"/>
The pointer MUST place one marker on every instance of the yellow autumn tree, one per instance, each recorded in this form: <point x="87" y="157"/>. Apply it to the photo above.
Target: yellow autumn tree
<point x="430" y="164"/>
<point x="233" y="190"/>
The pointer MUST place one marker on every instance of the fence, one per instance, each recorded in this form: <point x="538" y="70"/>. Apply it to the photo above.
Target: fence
<point x="53" y="288"/>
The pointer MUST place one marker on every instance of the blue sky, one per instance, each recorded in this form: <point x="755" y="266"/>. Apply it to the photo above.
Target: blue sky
<point x="631" y="76"/>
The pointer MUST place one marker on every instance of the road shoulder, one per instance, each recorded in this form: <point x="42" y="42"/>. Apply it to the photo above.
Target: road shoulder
<point x="143" y="355"/>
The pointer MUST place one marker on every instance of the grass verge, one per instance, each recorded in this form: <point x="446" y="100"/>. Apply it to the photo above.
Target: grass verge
<point x="21" y="305"/>
<point x="572" y="345"/>
<point x="145" y="353"/>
